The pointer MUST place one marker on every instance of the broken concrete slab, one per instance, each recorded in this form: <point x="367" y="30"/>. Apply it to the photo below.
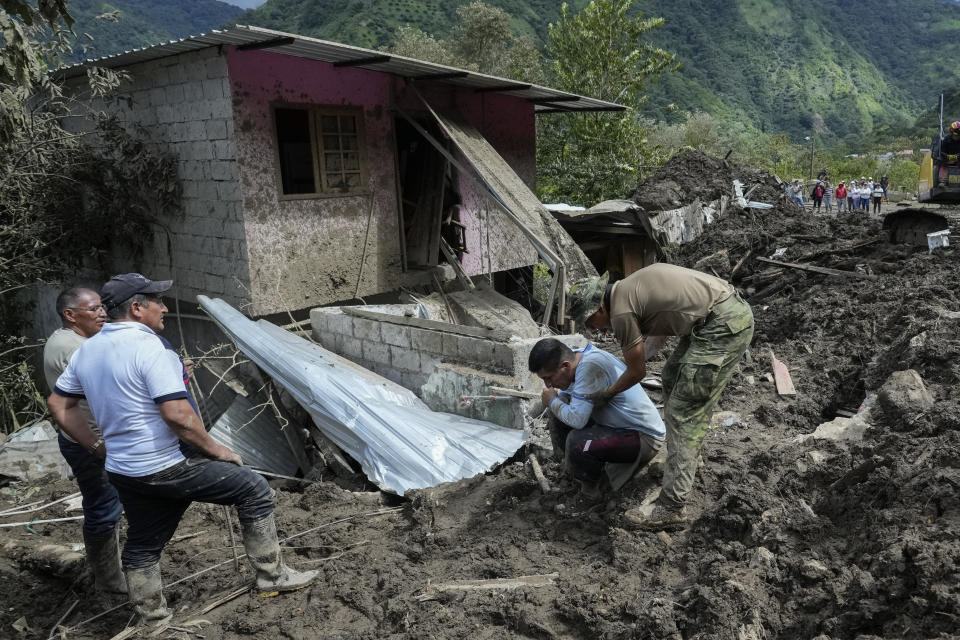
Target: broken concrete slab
<point x="903" y="396"/>
<point x="839" y="430"/>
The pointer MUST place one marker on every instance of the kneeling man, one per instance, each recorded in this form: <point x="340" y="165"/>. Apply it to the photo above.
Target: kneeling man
<point x="622" y="435"/>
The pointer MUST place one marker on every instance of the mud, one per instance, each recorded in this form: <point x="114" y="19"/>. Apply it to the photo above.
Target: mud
<point x="788" y="539"/>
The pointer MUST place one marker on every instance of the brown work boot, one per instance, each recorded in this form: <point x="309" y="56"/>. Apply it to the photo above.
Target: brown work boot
<point x="655" y="517"/>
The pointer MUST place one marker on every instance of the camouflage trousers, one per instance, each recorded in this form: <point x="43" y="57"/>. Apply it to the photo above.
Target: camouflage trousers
<point x="693" y="379"/>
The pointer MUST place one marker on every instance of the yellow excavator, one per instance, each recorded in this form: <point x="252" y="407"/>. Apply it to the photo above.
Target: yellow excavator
<point x="939" y="182"/>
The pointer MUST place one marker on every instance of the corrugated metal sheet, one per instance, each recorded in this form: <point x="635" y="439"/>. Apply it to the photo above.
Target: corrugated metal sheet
<point x="253" y="433"/>
<point x="551" y="100"/>
<point x="399" y="442"/>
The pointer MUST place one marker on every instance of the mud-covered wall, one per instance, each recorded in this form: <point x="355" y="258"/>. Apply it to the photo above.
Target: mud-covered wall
<point x="307" y="251"/>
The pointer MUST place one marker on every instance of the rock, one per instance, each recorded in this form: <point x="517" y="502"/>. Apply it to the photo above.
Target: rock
<point x="815" y="570"/>
<point x="903" y="396"/>
<point x="718" y="262"/>
<point x="816" y="457"/>
<point x="839" y="430"/>
<point x="918" y="341"/>
<point x="763" y="558"/>
<point x="726" y="420"/>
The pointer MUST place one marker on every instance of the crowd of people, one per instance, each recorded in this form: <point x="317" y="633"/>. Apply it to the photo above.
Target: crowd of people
<point x="847" y="195"/>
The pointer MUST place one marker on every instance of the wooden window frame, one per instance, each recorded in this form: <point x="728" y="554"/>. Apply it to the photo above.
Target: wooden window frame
<point x="318" y="153"/>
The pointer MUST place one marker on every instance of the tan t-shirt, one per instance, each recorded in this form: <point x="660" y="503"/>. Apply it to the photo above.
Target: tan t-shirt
<point x="662" y="300"/>
<point x="57" y="352"/>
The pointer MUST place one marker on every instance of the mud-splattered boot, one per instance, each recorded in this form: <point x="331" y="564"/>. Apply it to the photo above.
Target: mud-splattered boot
<point x="263" y="552"/>
<point x="103" y="556"/>
<point x="145" y="587"/>
<point x="656" y="517"/>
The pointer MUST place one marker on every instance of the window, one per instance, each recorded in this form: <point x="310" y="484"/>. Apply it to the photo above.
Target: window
<point x="321" y="150"/>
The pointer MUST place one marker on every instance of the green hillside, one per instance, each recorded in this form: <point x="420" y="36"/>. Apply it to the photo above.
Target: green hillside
<point x="142" y="22"/>
<point x="835" y="67"/>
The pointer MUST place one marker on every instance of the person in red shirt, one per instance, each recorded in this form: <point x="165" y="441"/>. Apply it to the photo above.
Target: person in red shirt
<point x="841" y="196"/>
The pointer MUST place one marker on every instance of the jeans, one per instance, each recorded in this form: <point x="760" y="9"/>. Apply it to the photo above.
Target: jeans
<point x="587" y="449"/>
<point x="155" y="503"/>
<point x="101" y="505"/>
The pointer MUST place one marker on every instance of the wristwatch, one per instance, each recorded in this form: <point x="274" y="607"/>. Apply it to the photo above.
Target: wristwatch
<point x="96" y="445"/>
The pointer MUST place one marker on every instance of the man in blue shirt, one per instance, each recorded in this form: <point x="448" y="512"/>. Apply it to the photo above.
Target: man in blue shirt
<point x="618" y="437"/>
<point x="133" y="382"/>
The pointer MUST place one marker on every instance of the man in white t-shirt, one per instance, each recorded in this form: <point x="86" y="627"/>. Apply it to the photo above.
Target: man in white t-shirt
<point x="82" y="316"/>
<point x="134" y="383"/>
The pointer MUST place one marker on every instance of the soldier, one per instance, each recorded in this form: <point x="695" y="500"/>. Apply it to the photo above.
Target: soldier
<point x="715" y="327"/>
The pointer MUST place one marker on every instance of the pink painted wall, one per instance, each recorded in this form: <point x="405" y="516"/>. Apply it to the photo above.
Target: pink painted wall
<point x="307" y="252"/>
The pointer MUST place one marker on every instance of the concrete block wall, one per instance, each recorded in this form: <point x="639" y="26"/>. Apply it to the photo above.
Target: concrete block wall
<point x="405" y="355"/>
<point x="184" y="101"/>
<point x="438" y="366"/>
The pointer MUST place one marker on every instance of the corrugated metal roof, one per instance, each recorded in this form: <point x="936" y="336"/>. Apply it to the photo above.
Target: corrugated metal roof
<point x="546" y="100"/>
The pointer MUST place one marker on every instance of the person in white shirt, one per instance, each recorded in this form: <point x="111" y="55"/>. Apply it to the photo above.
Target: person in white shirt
<point x="134" y="383"/>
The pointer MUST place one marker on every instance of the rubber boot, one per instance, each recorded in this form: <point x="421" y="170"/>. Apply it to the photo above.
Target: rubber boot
<point x="263" y="552"/>
<point x="145" y="587"/>
<point x="103" y="556"/>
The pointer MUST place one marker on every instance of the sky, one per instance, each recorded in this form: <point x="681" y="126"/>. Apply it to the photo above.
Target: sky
<point x="246" y="4"/>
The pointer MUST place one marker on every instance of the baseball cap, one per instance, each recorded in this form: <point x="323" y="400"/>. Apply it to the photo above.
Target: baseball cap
<point x="585" y="295"/>
<point x="121" y="288"/>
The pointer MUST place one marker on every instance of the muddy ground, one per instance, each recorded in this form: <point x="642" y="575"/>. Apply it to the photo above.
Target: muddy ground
<point x="789" y="538"/>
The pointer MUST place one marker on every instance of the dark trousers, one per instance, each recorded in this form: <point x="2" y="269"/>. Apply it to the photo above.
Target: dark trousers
<point x="586" y="450"/>
<point x="155" y="503"/>
<point x="101" y="505"/>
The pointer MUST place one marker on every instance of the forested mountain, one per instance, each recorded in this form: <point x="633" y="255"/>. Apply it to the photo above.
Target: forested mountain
<point x="836" y="67"/>
<point x="130" y="24"/>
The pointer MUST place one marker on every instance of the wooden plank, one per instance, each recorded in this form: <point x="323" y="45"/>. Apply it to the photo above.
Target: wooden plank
<point x="433" y="325"/>
<point x="331" y="453"/>
<point x="496" y="584"/>
<point x="503" y="391"/>
<point x="457" y="267"/>
<point x="740" y="262"/>
<point x="782" y="377"/>
<point x="824" y="270"/>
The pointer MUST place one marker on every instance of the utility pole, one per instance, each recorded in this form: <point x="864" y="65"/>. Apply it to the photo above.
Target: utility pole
<point x="812" y="149"/>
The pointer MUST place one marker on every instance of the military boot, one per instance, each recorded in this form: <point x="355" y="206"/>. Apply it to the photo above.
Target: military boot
<point x="103" y="556"/>
<point x="145" y="587"/>
<point x="263" y="552"/>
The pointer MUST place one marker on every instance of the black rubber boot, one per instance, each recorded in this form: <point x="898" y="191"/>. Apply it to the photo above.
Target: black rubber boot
<point x="145" y="586"/>
<point x="103" y="556"/>
<point x="263" y="552"/>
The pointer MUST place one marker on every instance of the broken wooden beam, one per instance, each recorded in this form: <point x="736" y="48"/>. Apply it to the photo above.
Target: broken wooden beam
<point x="504" y="391"/>
<point x="824" y="270"/>
<point x="740" y="263"/>
<point x="781" y="377"/>
<point x="538" y="474"/>
<point x="496" y="584"/>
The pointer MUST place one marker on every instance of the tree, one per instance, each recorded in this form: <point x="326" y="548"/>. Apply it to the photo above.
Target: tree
<point x="56" y="182"/>
<point x="600" y="52"/>
<point x="481" y="41"/>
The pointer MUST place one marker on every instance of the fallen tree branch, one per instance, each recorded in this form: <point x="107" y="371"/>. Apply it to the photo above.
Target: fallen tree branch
<point x="824" y="270"/>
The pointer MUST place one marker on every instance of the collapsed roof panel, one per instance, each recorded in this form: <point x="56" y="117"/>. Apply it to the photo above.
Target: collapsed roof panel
<point x="399" y="442"/>
<point x="506" y="185"/>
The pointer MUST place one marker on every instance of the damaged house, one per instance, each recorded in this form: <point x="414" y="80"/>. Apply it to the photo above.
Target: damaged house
<point x="315" y="172"/>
